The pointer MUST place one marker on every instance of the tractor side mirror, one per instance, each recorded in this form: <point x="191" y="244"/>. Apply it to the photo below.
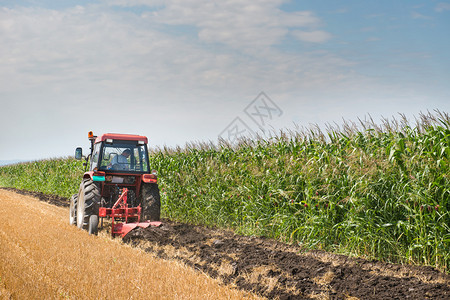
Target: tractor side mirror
<point x="78" y="153"/>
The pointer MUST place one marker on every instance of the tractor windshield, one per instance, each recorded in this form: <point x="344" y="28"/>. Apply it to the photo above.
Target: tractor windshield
<point x="124" y="156"/>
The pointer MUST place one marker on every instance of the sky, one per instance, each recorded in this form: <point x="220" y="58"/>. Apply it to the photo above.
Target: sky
<point x="181" y="71"/>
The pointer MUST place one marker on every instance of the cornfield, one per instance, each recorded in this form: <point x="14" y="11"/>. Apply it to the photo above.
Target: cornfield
<point x="60" y="176"/>
<point x="362" y="189"/>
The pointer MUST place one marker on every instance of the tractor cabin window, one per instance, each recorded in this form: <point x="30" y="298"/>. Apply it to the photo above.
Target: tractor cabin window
<point x="124" y="156"/>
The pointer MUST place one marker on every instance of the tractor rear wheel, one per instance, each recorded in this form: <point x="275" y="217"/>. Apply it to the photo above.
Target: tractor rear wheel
<point x="73" y="209"/>
<point x="150" y="202"/>
<point x="87" y="205"/>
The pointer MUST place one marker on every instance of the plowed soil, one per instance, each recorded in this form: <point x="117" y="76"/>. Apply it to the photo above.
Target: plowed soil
<point x="276" y="270"/>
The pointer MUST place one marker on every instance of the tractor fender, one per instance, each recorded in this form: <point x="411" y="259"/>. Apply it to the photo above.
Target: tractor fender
<point x="149" y="178"/>
<point x="88" y="175"/>
<point x="94" y="176"/>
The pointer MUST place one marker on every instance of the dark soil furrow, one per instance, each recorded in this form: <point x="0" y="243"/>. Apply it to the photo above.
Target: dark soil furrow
<point x="274" y="269"/>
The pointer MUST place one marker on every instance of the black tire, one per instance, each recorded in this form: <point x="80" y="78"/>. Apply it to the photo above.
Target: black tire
<point x="150" y="202"/>
<point x="93" y="224"/>
<point x="88" y="203"/>
<point x="73" y="210"/>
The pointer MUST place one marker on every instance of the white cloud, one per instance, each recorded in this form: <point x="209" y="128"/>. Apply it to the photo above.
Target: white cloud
<point x="443" y="6"/>
<point x="130" y="3"/>
<point x="373" y="39"/>
<point x="316" y="36"/>
<point x="368" y="29"/>
<point x="92" y="48"/>
<point x="235" y="23"/>
<point x="340" y="11"/>
<point x="416" y="15"/>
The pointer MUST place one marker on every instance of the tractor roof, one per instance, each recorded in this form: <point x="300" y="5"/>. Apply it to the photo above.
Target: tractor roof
<point x="122" y="137"/>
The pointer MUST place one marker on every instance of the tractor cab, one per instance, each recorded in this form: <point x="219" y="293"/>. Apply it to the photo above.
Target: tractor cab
<point x="117" y="152"/>
<point x="112" y="152"/>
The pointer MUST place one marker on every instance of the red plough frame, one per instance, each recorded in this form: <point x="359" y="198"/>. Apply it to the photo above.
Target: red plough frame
<point x="122" y="211"/>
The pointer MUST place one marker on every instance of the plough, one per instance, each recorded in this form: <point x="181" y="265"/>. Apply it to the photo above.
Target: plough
<point x="130" y="216"/>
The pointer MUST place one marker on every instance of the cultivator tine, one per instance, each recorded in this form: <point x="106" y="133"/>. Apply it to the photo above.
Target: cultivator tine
<point x="124" y="228"/>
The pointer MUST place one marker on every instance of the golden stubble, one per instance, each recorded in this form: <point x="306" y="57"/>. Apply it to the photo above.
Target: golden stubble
<point x="44" y="257"/>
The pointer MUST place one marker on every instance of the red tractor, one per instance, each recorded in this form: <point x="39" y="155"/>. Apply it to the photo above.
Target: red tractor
<point x="119" y="185"/>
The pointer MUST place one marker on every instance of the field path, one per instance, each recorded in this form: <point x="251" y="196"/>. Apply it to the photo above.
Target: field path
<point x="43" y="257"/>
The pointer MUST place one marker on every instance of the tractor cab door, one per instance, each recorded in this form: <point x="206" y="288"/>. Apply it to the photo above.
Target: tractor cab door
<point x="95" y="157"/>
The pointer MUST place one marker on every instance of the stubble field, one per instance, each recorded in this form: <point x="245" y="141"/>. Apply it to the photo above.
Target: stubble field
<point x="43" y="257"/>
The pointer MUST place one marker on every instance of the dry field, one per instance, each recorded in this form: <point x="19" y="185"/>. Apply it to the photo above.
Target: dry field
<point x="43" y="257"/>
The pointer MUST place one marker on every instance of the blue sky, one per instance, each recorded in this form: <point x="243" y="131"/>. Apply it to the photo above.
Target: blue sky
<point x="184" y="70"/>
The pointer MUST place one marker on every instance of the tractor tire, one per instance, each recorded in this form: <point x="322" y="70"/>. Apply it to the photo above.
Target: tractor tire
<point x="73" y="209"/>
<point x="87" y="204"/>
<point x="93" y="224"/>
<point x="150" y="202"/>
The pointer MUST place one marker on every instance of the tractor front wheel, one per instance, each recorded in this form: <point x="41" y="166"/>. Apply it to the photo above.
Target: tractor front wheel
<point x="73" y="210"/>
<point x="150" y="202"/>
<point x="93" y="224"/>
<point x="87" y="205"/>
